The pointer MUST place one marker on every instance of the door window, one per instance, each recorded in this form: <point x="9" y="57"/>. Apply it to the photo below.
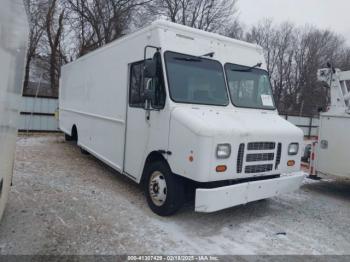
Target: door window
<point x="138" y="84"/>
<point x="137" y="92"/>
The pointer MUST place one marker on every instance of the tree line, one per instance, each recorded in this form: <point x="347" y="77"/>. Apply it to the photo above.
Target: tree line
<point x="293" y="55"/>
<point x="64" y="30"/>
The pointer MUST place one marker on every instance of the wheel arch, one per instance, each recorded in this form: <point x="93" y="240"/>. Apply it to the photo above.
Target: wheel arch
<point x="74" y="133"/>
<point x="152" y="157"/>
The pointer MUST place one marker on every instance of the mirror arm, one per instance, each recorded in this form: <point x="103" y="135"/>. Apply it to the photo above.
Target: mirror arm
<point x="149" y="46"/>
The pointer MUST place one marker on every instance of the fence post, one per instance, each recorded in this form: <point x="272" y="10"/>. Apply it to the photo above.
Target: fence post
<point x="310" y="127"/>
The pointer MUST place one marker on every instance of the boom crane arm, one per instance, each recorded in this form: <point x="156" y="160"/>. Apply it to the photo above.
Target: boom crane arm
<point x="340" y="91"/>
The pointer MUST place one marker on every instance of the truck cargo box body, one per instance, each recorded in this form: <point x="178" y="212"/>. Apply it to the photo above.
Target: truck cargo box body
<point x="13" y="47"/>
<point x="331" y="152"/>
<point x="95" y="102"/>
<point x="334" y="142"/>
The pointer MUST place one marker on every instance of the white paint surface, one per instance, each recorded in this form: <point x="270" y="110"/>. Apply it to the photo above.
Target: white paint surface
<point x="13" y="45"/>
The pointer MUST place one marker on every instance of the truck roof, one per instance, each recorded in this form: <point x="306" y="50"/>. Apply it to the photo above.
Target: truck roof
<point x="195" y="31"/>
<point x="178" y="27"/>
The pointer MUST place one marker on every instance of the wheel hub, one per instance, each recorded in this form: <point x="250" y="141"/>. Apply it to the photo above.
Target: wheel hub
<point x="157" y="188"/>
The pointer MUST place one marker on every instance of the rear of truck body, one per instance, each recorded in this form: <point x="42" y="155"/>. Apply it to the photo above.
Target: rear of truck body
<point x="191" y="120"/>
<point x="332" y="156"/>
<point x="13" y="47"/>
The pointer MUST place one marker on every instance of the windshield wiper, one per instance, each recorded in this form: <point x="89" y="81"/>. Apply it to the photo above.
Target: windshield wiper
<point x="247" y="69"/>
<point x="188" y="59"/>
<point x="194" y="59"/>
<point x="211" y="54"/>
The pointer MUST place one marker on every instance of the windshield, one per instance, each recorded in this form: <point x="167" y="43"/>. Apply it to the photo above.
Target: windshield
<point x="195" y="80"/>
<point x="249" y="87"/>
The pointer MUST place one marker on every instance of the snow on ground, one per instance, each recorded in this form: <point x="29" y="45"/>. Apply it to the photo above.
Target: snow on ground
<point x="64" y="202"/>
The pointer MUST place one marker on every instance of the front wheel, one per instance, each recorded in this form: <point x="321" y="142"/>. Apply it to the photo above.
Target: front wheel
<point x="164" y="190"/>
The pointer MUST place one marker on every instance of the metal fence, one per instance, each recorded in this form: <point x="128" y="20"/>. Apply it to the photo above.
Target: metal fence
<point x="38" y="114"/>
<point x="309" y="125"/>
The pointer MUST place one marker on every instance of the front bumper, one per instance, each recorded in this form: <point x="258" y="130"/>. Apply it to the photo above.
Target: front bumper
<point x="214" y="199"/>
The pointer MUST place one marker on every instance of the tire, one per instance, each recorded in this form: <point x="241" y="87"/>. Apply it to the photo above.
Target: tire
<point x="163" y="202"/>
<point x="68" y="137"/>
<point x="83" y="151"/>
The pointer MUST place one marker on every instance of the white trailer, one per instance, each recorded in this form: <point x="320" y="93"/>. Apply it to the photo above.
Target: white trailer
<point x="179" y="109"/>
<point x="332" y="152"/>
<point x="13" y="46"/>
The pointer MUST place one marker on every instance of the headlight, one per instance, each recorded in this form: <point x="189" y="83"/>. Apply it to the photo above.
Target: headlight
<point x="293" y="149"/>
<point x="223" y="151"/>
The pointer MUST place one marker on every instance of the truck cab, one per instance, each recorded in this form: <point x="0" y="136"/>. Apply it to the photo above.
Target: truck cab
<point x="224" y="126"/>
<point x="212" y="112"/>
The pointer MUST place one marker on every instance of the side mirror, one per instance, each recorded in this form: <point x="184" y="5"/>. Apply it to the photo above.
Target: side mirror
<point x="150" y="69"/>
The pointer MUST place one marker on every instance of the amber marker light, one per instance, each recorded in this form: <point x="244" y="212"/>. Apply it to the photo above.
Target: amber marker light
<point x="221" y="168"/>
<point x="291" y="163"/>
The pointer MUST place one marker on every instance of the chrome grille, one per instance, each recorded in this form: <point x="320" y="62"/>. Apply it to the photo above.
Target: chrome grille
<point x="261" y="146"/>
<point x="258" y="168"/>
<point x="249" y="162"/>
<point x="240" y="158"/>
<point x="260" y="157"/>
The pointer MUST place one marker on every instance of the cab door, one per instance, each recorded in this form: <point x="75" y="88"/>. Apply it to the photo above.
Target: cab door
<point x="146" y="130"/>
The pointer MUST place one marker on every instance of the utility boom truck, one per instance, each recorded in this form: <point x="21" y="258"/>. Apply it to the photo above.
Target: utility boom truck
<point x="332" y="152"/>
<point x="171" y="106"/>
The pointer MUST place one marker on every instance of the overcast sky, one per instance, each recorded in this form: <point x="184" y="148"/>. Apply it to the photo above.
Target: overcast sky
<point x="325" y="14"/>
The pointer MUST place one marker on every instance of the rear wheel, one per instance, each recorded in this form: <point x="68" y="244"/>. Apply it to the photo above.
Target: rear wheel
<point x="68" y="137"/>
<point x="83" y="151"/>
<point x="164" y="190"/>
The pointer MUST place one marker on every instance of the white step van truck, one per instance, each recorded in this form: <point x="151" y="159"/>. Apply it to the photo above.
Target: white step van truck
<point x="171" y="106"/>
<point x="14" y="31"/>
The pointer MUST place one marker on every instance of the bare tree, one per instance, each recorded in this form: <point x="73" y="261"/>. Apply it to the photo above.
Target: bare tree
<point x="54" y="30"/>
<point x="99" y="22"/>
<point x="317" y="47"/>
<point x="293" y="57"/>
<point x="36" y="18"/>
<point x="234" y="29"/>
<point x="265" y="35"/>
<point x="208" y="15"/>
<point x="344" y="62"/>
<point x="285" y="49"/>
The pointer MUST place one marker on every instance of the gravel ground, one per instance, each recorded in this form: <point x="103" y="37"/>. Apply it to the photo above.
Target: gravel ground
<point x="64" y="202"/>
